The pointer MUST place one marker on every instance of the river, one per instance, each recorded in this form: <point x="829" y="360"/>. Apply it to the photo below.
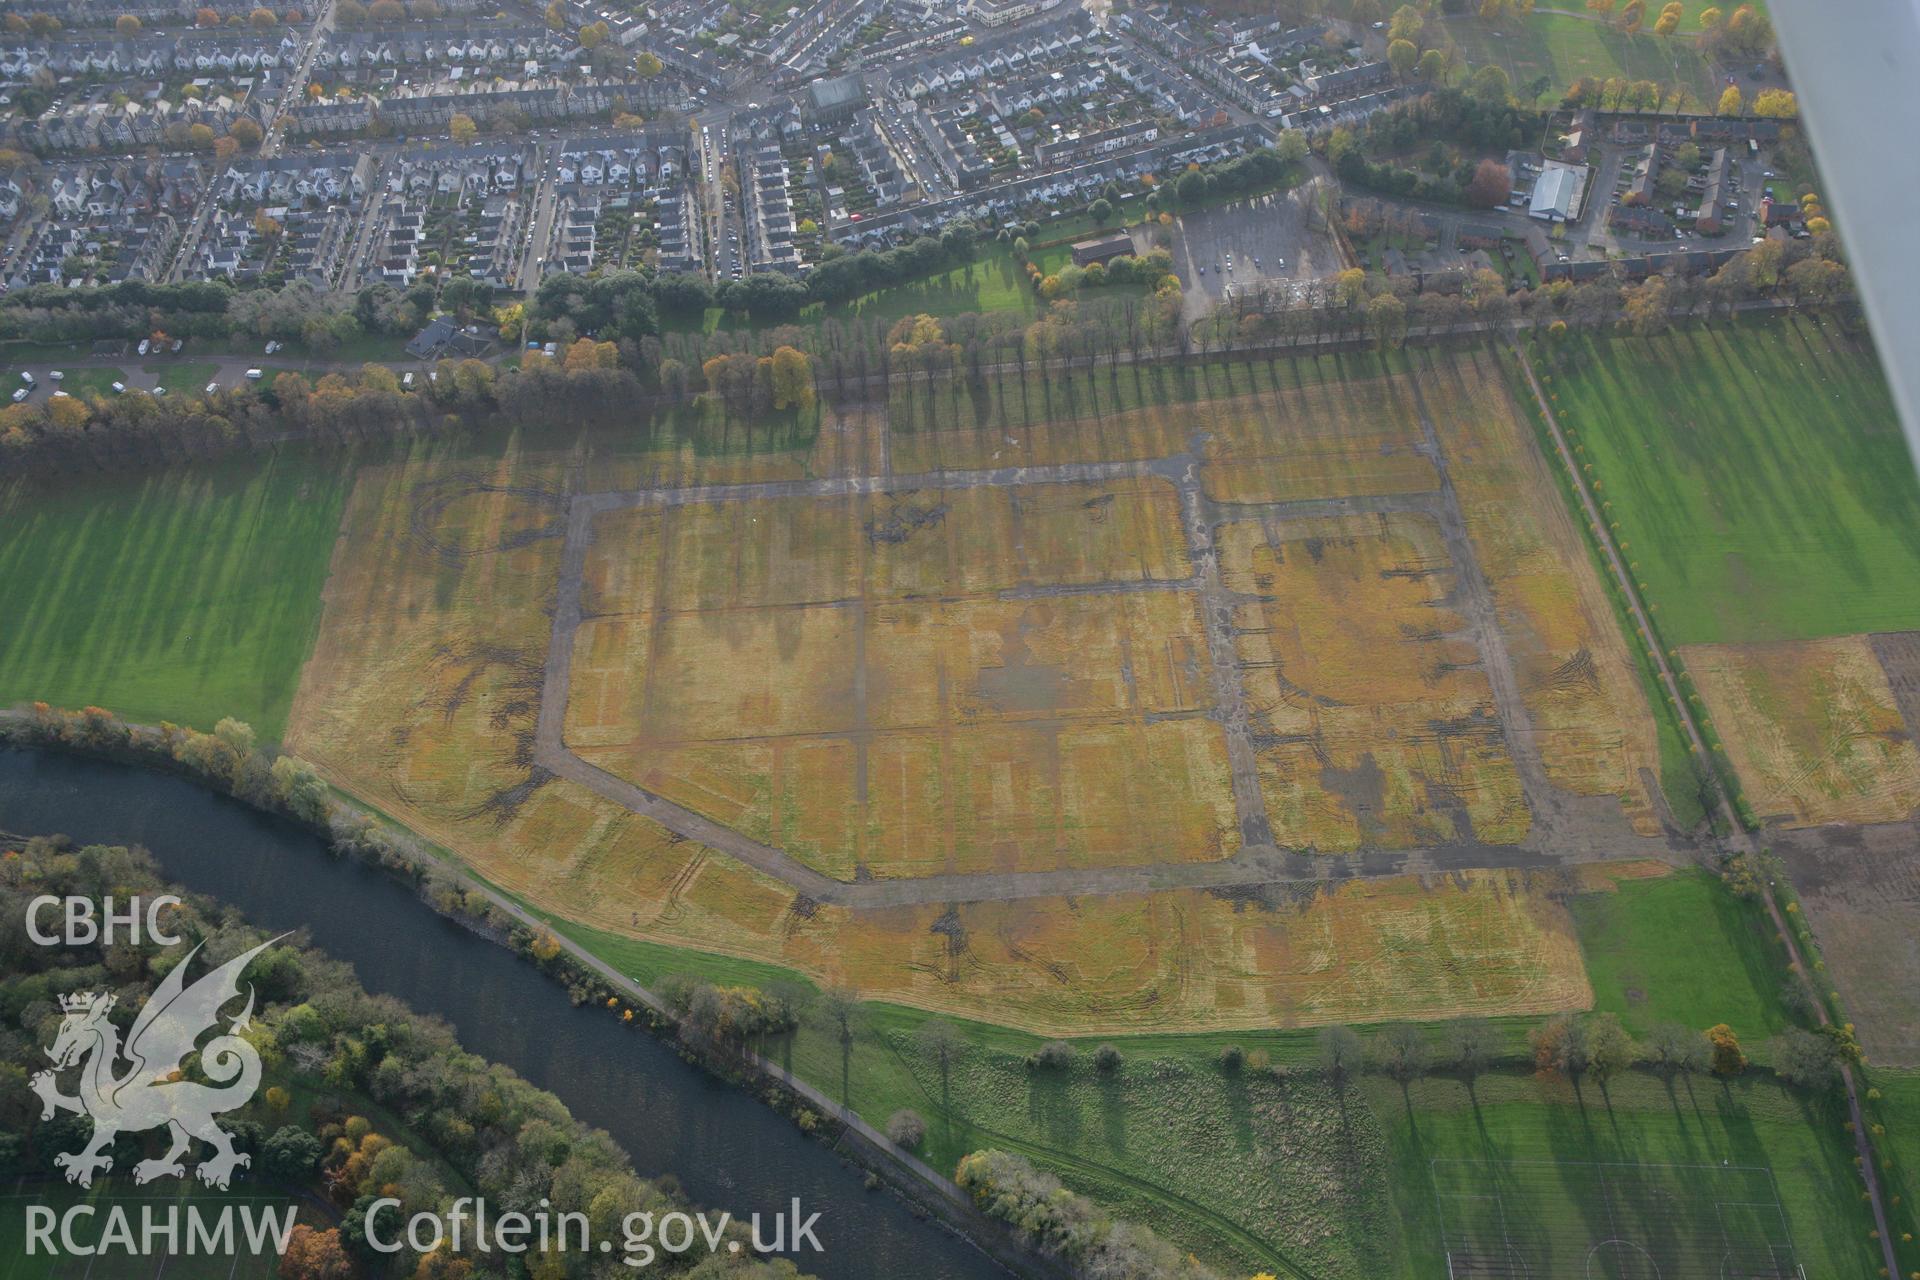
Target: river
<point x="728" y="1150"/>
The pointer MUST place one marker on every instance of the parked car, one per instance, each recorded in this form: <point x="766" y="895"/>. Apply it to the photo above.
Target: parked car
<point x="58" y="376"/>
<point x="119" y="388"/>
<point x="20" y="395"/>
<point x="254" y="375"/>
<point x="212" y="387"/>
<point x="144" y="344"/>
<point x="407" y="381"/>
<point x="27" y="378"/>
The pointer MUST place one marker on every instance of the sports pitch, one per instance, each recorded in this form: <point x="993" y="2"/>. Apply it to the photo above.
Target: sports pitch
<point x="1510" y="1220"/>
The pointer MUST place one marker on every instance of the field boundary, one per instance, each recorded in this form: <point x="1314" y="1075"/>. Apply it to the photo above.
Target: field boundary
<point x="1259" y="860"/>
<point x="1738" y="836"/>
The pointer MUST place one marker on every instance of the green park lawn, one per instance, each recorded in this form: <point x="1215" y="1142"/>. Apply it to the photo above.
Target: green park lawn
<point x="96" y="381"/>
<point x="1682" y="948"/>
<point x="1566" y="46"/>
<point x="1674" y="1163"/>
<point x="1262" y="1172"/>
<point x="179" y="377"/>
<point x="184" y="595"/>
<point x="1758" y="476"/>
<point x="1897" y="1144"/>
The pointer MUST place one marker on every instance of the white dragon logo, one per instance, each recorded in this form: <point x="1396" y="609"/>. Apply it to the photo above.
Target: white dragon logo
<point x="151" y="1093"/>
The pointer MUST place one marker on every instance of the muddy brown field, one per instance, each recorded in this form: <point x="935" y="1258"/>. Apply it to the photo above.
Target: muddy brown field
<point x="1278" y="708"/>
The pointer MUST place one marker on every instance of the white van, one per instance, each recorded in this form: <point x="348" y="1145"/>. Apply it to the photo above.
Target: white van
<point x="254" y="375"/>
<point x="212" y="387"/>
<point x="144" y="344"/>
<point x="119" y="388"/>
<point x="407" y="381"/>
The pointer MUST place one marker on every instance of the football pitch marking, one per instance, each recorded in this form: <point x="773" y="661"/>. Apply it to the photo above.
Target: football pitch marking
<point x="1746" y="1239"/>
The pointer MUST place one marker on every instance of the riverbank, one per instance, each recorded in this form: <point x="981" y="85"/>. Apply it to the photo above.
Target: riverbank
<point x="670" y="1114"/>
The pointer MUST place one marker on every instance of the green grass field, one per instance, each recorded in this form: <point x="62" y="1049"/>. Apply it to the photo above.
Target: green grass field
<point x="183" y="595"/>
<point x="179" y="377"/>
<point x="1256" y="1173"/>
<point x="1758" y="476"/>
<point x="1897" y="1143"/>
<point x="96" y="381"/>
<point x="1565" y="47"/>
<point x="1682" y="949"/>
<point x="1531" y="1144"/>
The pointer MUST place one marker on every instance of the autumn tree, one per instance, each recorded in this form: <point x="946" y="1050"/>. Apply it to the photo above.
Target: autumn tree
<point x="1817" y="282"/>
<point x="127" y="25"/>
<point x="1401" y="1052"/>
<point x="1674" y="1050"/>
<point x="1805" y="1058"/>
<point x="386" y="11"/>
<point x="462" y="128"/>
<point x="1723" y="1050"/>
<point x="247" y="132"/>
<point x="1747" y="31"/>
<point x="67" y="413"/>
<point x="1645" y="307"/>
<point x="1407" y="24"/>
<point x="1669" y="20"/>
<point x="1711" y="18"/>
<point x="1610" y="1050"/>
<point x="315" y="1255"/>
<point x="647" y="65"/>
<point x="1764" y="262"/>
<point x="262" y="18"/>
<point x="1492" y="85"/>
<point x="1633" y="16"/>
<point x="1402" y="56"/>
<point x="1340" y="1052"/>
<point x="1387" y="318"/>
<point x="1471" y="1046"/>
<point x="1776" y="104"/>
<point x="792" y="379"/>
<point x="1492" y="182"/>
<point x="1561" y="1047"/>
<point x="557" y="15"/>
<point x="1731" y="101"/>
